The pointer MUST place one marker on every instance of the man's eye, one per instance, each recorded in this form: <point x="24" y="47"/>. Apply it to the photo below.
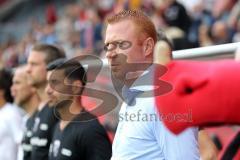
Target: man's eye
<point x="53" y="82"/>
<point x="109" y="46"/>
<point x="125" y="45"/>
<point x="16" y="83"/>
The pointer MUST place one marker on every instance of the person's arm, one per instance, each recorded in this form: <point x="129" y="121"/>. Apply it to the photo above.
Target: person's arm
<point x="208" y="150"/>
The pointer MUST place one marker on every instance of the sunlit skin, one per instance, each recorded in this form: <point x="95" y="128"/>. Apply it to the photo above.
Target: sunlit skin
<point x="21" y="90"/>
<point x="55" y="96"/>
<point x="37" y="73"/>
<point x="139" y="52"/>
<point x="162" y="53"/>
<point x="36" y="68"/>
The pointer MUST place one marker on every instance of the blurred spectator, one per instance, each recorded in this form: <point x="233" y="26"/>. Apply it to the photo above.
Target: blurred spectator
<point x="134" y="4"/>
<point x="234" y="22"/>
<point x="2" y="2"/>
<point x="104" y="7"/>
<point x="226" y="138"/>
<point x="25" y="97"/>
<point x="11" y="120"/>
<point x="204" y="36"/>
<point x="73" y="44"/>
<point x="86" y="17"/>
<point x="220" y="33"/>
<point x="97" y="26"/>
<point x="173" y="13"/>
<point x="9" y="55"/>
<point x="237" y="54"/>
<point x="28" y="100"/>
<point x="222" y="10"/>
<point x="37" y="29"/>
<point x="51" y="15"/>
<point x="236" y="36"/>
<point x="65" y="25"/>
<point x="178" y="37"/>
<point x="49" y="35"/>
<point x="234" y="16"/>
<point x="208" y="149"/>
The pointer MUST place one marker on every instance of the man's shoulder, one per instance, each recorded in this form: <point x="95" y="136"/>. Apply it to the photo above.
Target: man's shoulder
<point x="147" y="104"/>
<point x="48" y="113"/>
<point x="11" y="111"/>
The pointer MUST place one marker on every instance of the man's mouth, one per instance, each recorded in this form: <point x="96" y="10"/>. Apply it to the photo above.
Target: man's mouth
<point x="50" y="97"/>
<point x="114" y="64"/>
<point x="114" y="67"/>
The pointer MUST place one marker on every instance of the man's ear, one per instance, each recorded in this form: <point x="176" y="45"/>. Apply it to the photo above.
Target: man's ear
<point x="148" y="46"/>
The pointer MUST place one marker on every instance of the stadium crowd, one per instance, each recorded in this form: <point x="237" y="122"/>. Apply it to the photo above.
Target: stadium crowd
<point x="79" y="28"/>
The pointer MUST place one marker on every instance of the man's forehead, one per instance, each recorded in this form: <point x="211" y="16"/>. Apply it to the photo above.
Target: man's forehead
<point x="20" y="73"/>
<point x="21" y="70"/>
<point x="122" y="25"/>
<point x="36" y="56"/>
<point x="119" y="29"/>
<point x="20" y="78"/>
<point x="55" y="74"/>
<point x="49" y="73"/>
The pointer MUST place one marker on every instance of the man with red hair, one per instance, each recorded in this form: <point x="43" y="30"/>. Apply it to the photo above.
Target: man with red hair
<point x="129" y="43"/>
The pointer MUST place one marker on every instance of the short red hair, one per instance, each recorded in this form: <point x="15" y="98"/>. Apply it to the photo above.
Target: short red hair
<point x="141" y="21"/>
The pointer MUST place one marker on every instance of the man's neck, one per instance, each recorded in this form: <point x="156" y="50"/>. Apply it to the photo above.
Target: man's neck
<point x="41" y="93"/>
<point x="31" y="105"/>
<point x="131" y="77"/>
<point x="67" y="114"/>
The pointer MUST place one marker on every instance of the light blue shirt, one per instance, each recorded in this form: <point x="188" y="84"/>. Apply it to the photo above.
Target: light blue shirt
<point x="141" y="135"/>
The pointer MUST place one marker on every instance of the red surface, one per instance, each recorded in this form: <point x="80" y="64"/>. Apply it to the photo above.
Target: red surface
<point x="214" y="97"/>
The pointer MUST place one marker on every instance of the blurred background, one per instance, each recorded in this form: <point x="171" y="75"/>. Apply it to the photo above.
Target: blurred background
<point x="77" y="25"/>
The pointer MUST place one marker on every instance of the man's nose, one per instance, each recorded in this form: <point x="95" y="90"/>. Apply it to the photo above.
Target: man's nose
<point x="28" y="69"/>
<point x="13" y="91"/>
<point x="48" y="89"/>
<point x="111" y="54"/>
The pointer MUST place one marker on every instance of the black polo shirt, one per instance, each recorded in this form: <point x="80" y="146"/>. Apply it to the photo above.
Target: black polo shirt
<point x="26" y="146"/>
<point x="81" y="140"/>
<point x="44" y="124"/>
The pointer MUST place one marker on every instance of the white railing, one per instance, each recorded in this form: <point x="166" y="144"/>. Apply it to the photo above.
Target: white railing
<point x="216" y="50"/>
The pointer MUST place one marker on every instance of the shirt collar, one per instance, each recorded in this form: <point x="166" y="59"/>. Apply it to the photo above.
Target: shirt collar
<point x="139" y="86"/>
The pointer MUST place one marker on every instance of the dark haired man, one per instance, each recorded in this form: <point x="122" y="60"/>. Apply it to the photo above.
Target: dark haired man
<point x="78" y="135"/>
